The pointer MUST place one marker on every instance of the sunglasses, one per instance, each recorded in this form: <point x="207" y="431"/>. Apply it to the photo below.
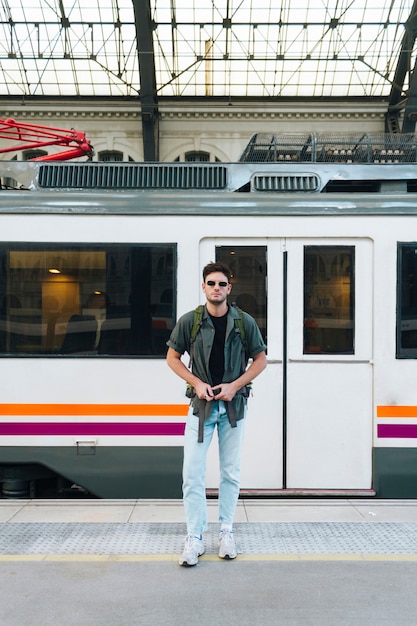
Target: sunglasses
<point x="221" y="283"/>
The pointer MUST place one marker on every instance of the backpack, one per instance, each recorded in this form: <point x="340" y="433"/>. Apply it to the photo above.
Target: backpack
<point x="198" y="316"/>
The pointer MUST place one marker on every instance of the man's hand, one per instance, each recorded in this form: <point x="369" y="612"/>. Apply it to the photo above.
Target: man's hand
<point x="224" y="391"/>
<point x="204" y="391"/>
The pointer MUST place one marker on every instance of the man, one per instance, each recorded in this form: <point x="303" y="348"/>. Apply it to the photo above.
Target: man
<point x="218" y="379"/>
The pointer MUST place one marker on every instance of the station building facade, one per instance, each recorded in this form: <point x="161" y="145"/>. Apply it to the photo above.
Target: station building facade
<point x="192" y="130"/>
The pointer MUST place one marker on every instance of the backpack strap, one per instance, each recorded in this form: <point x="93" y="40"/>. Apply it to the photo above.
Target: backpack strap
<point x="240" y="325"/>
<point x="201" y="418"/>
<point x="197" y="322"/>
<point x="240" y="328"/>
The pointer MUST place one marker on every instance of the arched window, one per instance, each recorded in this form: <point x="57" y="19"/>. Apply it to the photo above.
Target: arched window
<point x="33" y="154"/>
<point x="197" y="156"/>
<point x="110" y="155"/>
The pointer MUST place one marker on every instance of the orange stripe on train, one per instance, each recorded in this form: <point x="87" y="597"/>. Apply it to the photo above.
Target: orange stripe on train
<point x="180" y="410"/>
<point x="396" y="411"/>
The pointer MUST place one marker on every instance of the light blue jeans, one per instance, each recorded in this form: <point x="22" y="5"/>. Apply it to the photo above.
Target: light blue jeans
<point x="194" y="468"/>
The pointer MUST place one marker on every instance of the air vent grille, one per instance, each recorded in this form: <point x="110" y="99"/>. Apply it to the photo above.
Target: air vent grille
<point x="131" y="176"/>
<point x="286" y="182"/>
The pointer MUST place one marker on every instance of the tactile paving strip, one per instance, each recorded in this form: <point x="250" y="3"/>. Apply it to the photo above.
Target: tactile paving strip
<point x="166" y="538"/>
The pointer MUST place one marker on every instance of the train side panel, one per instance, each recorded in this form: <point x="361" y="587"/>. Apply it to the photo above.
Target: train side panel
<point x="335" y="410"/>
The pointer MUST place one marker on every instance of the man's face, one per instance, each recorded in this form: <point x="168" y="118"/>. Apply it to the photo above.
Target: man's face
<point x="216" y="288"/>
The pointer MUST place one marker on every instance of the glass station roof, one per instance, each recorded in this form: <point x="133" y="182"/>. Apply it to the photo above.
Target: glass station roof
<point x="221" y="48"/>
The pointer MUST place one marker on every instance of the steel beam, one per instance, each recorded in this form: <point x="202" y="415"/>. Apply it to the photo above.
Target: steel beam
<point x="397" y="99"/>
<point x="148" y="95"/>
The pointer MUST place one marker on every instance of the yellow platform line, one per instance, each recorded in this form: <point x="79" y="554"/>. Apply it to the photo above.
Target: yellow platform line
<point x="142" y="558"/>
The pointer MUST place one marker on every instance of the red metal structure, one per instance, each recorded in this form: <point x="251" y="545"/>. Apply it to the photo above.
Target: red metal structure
<point x="32" y="136"/>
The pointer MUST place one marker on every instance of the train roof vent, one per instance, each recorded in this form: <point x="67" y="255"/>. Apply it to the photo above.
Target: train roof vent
<point x="285" y="182"/>
<point x="132" y="176"/>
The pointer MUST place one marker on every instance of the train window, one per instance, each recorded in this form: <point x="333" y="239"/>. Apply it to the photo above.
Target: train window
<point x="329" y="300"/>
<point x="72" y="300"/>
<point x="248" y="267"/>
<point x="407" y="301"/>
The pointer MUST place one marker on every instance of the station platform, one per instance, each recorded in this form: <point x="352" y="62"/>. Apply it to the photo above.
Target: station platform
<point x="300" y="561"/>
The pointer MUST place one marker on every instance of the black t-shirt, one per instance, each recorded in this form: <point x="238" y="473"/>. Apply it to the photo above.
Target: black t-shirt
<point x="216" y="363"/>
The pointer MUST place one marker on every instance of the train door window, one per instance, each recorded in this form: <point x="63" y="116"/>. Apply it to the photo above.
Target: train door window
<point x="407" y="301"/>
<point x="329" y="299"/>
<point x="73" y="300"/>
<point x="248" y="265"/>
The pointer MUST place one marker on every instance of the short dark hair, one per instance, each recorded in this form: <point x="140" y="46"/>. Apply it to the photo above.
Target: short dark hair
<point x="210" y="268"/>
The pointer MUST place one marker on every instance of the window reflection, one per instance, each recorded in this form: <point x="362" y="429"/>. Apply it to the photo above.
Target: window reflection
<point x="407" y="300"/>
<point x="328" y="300"/>
<point x="248" y="267"/>
<point x="86" y="300"/>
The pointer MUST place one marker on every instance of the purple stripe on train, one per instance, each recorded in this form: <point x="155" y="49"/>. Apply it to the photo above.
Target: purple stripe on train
<point x="397" y="431"/>
<point x="90" y="428"/>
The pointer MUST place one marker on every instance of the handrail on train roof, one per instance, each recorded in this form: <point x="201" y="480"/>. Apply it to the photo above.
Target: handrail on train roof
<point x="331" y="148"/>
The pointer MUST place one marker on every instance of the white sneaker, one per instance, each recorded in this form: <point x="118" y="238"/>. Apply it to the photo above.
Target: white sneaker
<point x="193" y="548"/>
<point x="227" y="546"/>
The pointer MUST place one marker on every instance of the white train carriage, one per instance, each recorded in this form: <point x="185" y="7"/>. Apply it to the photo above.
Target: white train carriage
<point x="97" y="262"/>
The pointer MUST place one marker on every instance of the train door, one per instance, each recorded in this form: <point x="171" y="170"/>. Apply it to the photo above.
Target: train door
<point x="327" y="364"/>
<point x="310" y="418"/>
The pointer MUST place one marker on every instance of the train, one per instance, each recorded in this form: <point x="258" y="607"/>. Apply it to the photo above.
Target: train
<point x="98" y="261"/>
